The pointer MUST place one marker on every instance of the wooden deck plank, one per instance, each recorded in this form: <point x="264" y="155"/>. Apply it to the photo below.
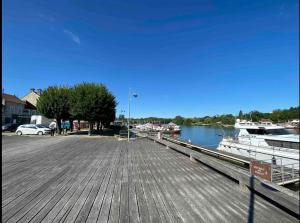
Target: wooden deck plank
<point x="168" y="180"/>
<point x="134" y="215"/>
<point x="151" y="204"/>
<point x="84" y="205"/>
<point x="97" y="204"/>
<point x="116" y="197"/>
<point x="63" y="214"/>
<point x="106" y="205"/>
<point x="56" y="204"/>
<point x="144" y="215"/>
<point x="28" y="200"/>
<point x="124" y="206"/>
<point x="72" y="179"/>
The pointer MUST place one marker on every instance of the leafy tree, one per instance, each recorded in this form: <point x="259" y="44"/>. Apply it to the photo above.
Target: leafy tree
<point x="188" y="121"/>
<point x="106" y="107"/>
<point x="241" y="114"/>
<point x="54" y="103"/>
<point x="93" y="103"/>
<point x="178" y="120"/>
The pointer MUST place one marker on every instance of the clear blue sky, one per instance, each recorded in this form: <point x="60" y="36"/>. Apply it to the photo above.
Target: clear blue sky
<point x="189" y="58"/>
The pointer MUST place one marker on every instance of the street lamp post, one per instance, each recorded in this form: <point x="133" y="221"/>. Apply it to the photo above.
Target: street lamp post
<point x="129" y="99"/>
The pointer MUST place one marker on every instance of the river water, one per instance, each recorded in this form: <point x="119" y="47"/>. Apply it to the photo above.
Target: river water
<point x="207" y="136"/>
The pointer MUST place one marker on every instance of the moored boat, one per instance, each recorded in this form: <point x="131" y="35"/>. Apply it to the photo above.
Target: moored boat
<point x="263" y="141"/>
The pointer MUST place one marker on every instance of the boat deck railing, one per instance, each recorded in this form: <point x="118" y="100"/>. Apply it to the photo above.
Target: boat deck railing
<point x="284" y="174"/>
<point x="248" y="143"/>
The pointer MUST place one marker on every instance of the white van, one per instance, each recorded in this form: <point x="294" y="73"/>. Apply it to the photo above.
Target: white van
<point x="40" y="119"/>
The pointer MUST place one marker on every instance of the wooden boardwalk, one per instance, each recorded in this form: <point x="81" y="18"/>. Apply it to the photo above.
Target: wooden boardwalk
<point x="72" y="179"/>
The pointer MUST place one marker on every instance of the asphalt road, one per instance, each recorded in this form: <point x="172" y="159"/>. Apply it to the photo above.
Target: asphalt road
<point x="74" y="179"/>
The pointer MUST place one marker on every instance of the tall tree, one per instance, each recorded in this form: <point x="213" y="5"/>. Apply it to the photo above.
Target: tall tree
<point x="94" y="103"/>
<point x="241" y="114"/>
<point x="178" y="120"/>
<point x="54" y="104"/>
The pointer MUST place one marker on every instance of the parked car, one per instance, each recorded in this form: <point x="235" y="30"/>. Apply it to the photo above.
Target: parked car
<point x="9" y="127"/>
<point x="32" y="129"/>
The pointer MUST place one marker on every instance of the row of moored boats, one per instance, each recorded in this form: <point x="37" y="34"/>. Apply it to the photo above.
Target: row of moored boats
<point x="164" y="128"/>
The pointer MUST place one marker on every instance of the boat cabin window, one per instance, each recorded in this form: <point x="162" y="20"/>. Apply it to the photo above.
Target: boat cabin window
<point x="289" y="145"/>
<point x="268" y="131"/>
<point x="256" y="131"/>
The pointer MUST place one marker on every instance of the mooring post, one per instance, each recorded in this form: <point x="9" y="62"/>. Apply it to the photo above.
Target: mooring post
<point x="192" y="158"/>
<point x="242" y="185"/>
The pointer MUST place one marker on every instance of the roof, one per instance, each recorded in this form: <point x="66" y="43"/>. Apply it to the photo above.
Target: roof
<point x="28" y="105"/>
<point x="31" y="97"/>
<point x="12" y="98"/>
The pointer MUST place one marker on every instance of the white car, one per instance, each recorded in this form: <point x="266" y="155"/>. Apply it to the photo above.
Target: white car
<point x="32" y="129"/>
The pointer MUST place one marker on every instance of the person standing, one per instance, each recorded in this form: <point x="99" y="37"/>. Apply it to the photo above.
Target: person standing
<point x="52" y="126"/>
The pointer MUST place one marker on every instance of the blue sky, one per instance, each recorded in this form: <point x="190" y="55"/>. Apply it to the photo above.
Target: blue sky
<point x="189" y="58"/>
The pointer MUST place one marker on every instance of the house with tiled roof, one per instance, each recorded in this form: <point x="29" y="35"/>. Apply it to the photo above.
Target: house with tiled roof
<point x="12" y="109"/>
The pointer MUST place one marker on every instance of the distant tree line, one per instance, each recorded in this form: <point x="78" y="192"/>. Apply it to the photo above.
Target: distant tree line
<point x="91" y="102"/>
<point x="278" y="115"/>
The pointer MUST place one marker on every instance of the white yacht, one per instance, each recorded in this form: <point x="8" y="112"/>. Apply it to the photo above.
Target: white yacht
<point x="263" y="141"/>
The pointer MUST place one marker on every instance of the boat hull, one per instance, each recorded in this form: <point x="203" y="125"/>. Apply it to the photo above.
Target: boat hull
<point x="283" y="156"/>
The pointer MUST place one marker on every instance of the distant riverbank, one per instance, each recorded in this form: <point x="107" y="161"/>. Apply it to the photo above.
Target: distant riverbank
<point x="214" y="125"/>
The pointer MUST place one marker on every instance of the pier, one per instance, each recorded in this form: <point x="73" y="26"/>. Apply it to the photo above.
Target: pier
<point x="75" y="179"/>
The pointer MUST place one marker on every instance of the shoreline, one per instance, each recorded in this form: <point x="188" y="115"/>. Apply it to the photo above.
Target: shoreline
<point x="215" y="125"/>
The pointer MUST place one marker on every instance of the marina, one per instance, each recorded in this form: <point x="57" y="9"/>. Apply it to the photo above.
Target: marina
<point x="150" y="112"/>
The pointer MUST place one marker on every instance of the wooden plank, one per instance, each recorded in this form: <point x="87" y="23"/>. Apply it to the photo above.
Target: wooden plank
<point x="10" y="213"/>
<point x="173" y="192"/>
<point x="80" y="178"/>
<point x="107" y="202"/>
<point x="115" y="181"/>
<point x="152" y="208"/>
<point x="114" y="214"/>
<point x="78" y="174"/>
<point x="93" y="215"/>
<point x="144" y="215"/>
<point x="134" y="215"/>
<point x="63" y="214"/>
<point x="124" y="206"/>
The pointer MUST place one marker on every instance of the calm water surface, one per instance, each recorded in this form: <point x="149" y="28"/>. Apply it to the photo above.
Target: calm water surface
<point x="208" y="136"/>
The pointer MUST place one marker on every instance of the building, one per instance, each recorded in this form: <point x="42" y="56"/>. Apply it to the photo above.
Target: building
<point x="12" y="109"/>
<point x="32" y="96"/>
<point x="31" y="101"/>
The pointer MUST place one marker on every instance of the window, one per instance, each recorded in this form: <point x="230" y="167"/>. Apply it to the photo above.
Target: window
<point x="41" y="126"/>
<point x="289" y="145"/>
<point x="256" y="131"/>
<point x="277" y="132"/>
<point x="268" y="131"/>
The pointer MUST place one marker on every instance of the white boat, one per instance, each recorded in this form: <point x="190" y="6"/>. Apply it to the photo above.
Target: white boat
<point x="263" y="141"/>
<point x="172" y="128"/>
<point x="168" y="128"/>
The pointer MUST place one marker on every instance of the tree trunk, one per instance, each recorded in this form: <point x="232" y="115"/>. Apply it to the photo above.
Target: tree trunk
<point x="71" y="125"/>
<point x="58" y="122"/>
<point x="98" y="126"/>
<point x="91" y="127"/>
<point x="78" y="124"/>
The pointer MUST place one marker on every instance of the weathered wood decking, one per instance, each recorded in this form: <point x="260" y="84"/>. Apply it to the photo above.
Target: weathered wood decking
<point x="69" y="179"/>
